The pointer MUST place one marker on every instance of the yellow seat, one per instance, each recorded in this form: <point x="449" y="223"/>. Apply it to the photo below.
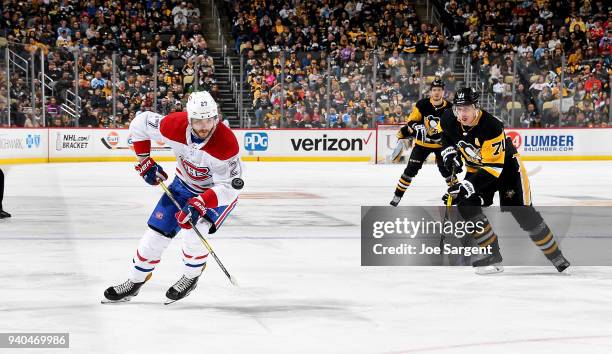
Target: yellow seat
<point x="513" y="105"/>
<point x="547" y="105"/>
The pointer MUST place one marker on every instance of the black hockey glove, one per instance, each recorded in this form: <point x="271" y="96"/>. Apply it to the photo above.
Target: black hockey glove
<point x="451" y="159"/>
<point x="404" y="132"/>
<point x="459" y="192"/>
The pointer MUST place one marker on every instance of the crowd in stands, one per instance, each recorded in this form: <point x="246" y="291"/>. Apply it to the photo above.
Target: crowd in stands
<point x="136" y="31"/>
<point x="312" y="63"/>
<point x="555" y="56"/>
<point x="338" y="40"/>
<point x="335" y="54"/>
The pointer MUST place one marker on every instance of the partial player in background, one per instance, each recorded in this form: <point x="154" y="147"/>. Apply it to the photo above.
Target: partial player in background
<point x="3" y="214"/>
<point x="493" y="165"/>
<point x="207" y="155"/>
<point x="422" y="124"/>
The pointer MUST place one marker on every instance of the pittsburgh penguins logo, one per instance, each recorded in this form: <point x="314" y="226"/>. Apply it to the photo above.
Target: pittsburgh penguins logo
<point x="431" y="124"/>
<point x="470" y="152"/>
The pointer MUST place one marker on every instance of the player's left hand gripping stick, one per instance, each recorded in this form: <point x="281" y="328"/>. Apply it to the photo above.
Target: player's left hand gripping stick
<point x="151" y="172"/>
<point x="204" y="241"/>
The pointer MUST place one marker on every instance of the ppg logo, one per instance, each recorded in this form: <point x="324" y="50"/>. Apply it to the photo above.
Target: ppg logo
<point x="256" y="141"/>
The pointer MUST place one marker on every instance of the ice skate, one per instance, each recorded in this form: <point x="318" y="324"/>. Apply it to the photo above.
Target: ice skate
<point x="181" y="289"/>
<point x="489" y="265"/>
<point x="560" y="262"/>
<point x="123" y="292"/>
<point x="395" y="200"/>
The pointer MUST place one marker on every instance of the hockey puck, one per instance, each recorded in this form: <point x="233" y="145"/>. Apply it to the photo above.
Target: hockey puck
<point x="237" y="183"/>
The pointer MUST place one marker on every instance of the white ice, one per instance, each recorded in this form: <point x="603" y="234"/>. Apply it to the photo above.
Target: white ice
<point x="293" y="243"/>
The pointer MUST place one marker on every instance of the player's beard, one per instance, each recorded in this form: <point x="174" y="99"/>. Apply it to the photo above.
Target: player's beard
<point x="203" y="133"/>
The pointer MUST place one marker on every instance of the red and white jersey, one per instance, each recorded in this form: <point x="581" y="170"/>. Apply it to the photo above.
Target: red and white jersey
<point x="207" y="168"/>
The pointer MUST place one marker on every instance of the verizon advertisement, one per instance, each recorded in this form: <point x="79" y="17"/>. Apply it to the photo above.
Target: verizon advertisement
<point x="314" y="145"/>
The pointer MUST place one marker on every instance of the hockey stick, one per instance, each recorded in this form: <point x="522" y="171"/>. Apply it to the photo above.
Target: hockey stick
<point x="206" y="244"/>
<point x="449" y="203"/>
<point x="110" y="147"/>
<point x="535" y="171"/>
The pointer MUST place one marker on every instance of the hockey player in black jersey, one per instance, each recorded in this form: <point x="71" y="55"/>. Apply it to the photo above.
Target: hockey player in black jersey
<point x="422" y="124"/>
<point x="492" y="165"/>
<point x="3" y="214"/>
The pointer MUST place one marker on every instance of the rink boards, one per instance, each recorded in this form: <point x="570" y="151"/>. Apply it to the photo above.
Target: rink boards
<point x="22" y="145"/>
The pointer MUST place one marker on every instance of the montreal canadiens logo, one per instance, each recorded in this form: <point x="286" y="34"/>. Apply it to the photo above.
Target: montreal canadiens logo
<point x="195" y="172"/>
<point x="516" y="138"/>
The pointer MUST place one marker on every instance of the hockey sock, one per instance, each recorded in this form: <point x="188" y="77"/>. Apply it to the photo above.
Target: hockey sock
<point x="544" y="239"/>
<point x="486" y="237"/>
<point x="402" y="185"/>
<point x="195" y="254"/>
<point x="148" y="254"/>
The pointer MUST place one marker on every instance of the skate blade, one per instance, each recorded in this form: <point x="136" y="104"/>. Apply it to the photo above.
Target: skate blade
<point x="107" y="301"/>
<point x="169" y="301"/>
<point x="490" y="269"/>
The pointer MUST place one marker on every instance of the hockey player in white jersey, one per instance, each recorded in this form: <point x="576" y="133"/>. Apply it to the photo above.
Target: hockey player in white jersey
<point x="208" y="161"/>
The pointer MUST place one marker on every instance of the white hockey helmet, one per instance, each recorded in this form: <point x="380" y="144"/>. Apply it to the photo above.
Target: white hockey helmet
<point x="201" y="105"/>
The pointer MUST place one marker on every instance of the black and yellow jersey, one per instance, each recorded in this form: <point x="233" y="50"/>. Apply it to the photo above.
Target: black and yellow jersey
<point x="408" y="43"/>
<point x="484" y="146"/>
<point x="424" y="112"/>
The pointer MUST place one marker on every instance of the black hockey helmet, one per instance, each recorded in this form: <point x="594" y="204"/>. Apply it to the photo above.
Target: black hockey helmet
<point x="465" y="97"/>
<point x="437" y="83"/>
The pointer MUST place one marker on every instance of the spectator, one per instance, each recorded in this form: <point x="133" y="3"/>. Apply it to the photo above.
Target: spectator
<point x="127" y="27"/>
<point x="592" y="83"/>
<point x="98" y="82"/>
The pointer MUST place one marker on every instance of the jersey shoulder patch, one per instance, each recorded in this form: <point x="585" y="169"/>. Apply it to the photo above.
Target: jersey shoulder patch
<point x="223" y="145"/>
<point x="174" y="127"/>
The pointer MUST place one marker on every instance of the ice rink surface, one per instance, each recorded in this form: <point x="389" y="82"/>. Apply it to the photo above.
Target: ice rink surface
<point x="293" y="243"/>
